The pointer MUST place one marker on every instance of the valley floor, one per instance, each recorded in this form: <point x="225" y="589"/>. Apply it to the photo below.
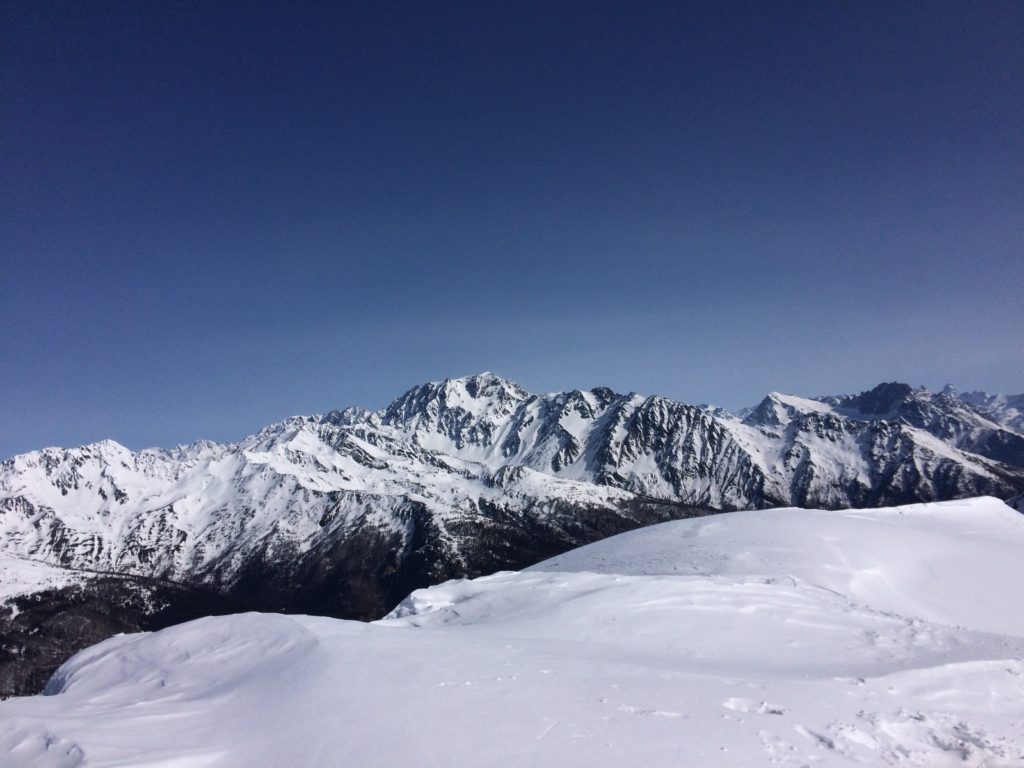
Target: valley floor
<point x="782" y="637"/>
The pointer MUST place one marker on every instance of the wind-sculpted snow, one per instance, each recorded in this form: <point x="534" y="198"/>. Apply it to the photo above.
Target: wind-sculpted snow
<point x="881" y="637"/>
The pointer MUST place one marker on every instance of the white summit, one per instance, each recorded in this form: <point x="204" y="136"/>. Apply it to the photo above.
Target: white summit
<point x="794" y="637"/>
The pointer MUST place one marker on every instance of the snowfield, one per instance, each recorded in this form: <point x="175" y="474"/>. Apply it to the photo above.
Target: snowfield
<point x="19" y="576"/>
<point x="781" y="637"/>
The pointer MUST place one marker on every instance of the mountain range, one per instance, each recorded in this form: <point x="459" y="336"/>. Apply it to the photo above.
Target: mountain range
<point x="345" y="513"/>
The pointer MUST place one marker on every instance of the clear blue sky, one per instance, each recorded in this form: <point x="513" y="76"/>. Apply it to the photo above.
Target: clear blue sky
<point x="215" y="215"/>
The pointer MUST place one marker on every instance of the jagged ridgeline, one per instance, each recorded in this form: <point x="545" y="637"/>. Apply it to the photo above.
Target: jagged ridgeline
<point x="344" y="513"/>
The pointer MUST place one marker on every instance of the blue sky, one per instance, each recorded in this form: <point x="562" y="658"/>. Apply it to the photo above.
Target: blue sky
<point x="213" y="216"/>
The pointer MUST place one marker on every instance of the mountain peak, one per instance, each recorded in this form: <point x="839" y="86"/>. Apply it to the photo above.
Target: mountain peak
<point x="777" y="409"/>
<point x="462" y="390"/>
<point x="461" y="411"/>
<point x="484" y="384"/>
<point x="882" y="400"/>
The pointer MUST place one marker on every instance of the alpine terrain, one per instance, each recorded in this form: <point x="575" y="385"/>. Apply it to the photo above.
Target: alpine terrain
<point x="347" y="512"/>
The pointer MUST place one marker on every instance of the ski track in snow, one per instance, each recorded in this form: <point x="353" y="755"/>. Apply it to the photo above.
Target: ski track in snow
<point x="890" y="637"/>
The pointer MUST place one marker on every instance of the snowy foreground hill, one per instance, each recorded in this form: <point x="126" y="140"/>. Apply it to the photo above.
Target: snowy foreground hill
<point x="876" y="637"/>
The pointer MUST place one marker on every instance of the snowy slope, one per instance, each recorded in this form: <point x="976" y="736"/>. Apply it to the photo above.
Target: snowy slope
<point x="982" y="424"/>
<point x="1007" y="410"/>
<point x="206" y="512"/>
<point x="785" y="637"/>
<point x="19" y="576"/>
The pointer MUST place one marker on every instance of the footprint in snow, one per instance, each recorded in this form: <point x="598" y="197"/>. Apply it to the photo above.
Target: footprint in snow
<point x="748" y="705"/>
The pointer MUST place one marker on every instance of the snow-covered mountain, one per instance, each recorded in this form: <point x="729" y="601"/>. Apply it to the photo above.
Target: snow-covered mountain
<point x="462" y="458"/>
<point x="454" y="455"/>
<point x="344" y="513"/>
<point x="986" y="425"/>
<point x="878" y="637"/>
<point x="1007" y="410"/>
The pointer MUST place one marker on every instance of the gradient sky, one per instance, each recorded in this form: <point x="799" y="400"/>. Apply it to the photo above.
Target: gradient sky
<point x="216" y="215"/>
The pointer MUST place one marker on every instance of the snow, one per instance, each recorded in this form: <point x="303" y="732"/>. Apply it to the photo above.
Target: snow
<point x="19" y="576"/>
<point x="782" y="637"/>
<point x="1007" y="410"/>
<point x="801" y="404"/>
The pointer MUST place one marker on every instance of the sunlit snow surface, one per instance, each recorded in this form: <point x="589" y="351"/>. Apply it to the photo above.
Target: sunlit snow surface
<point x="19" y="576"/>
<point x="783" y="637"/>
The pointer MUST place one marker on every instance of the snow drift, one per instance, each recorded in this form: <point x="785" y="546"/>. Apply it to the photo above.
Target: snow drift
<point x="796" y="637"/>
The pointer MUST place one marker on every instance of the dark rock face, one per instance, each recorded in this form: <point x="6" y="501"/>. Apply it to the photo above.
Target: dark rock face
<point x="883" y="400"/>
<point x="369" y="571"/>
